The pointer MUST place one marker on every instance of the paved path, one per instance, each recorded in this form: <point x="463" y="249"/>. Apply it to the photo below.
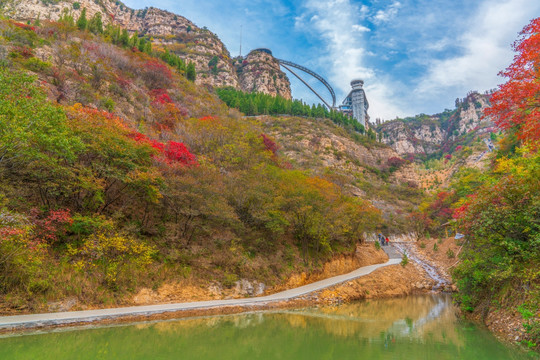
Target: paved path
<point x="50" y="319"/>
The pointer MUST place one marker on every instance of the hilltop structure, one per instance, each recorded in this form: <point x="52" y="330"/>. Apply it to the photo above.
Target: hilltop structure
<point x="356" y="104"/>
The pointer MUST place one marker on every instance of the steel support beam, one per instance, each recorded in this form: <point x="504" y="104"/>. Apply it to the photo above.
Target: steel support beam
<point x="286" y="65"/>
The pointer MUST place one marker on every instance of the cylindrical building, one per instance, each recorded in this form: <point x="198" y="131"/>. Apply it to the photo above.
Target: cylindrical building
<point x="359" y="102"/>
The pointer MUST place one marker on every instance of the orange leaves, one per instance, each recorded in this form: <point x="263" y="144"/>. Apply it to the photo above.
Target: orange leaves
<point x="97" y="118"/>
<point x="516" y="104"/>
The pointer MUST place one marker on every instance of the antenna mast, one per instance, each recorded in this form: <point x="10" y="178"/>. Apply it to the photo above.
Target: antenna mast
<point x="241" y="40"/>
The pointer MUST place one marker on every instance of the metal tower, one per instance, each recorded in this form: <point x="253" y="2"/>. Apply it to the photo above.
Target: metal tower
<point x="356" y="103"/>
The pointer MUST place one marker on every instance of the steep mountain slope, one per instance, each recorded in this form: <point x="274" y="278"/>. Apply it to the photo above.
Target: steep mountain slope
<point x="167" y="30"/>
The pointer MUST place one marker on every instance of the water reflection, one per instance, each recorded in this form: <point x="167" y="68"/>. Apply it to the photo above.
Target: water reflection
<point x="418" y="327"/>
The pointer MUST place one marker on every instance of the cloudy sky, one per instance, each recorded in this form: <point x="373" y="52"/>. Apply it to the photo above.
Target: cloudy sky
<point x="415" y="56"/>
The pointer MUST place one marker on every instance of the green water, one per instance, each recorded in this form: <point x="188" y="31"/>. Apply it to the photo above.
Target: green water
<point x="418" y="327"/>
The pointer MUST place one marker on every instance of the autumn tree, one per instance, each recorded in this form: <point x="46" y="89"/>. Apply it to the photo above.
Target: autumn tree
<point x="516" y="104"/>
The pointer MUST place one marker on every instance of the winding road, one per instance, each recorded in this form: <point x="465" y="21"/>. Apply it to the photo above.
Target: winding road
<point x="20" y="322"/>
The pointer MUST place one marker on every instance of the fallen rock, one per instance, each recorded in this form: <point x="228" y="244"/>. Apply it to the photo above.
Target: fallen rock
<point x="61" y="306"/>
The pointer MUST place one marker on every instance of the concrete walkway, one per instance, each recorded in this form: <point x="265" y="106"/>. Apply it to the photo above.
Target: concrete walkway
<point x="51" y="319"/>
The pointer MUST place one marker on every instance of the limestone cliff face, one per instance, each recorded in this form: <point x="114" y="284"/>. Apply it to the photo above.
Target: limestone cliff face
<point x="260" y="71"/>
<point x="425" y="134"/>
<point x="167" y="30"/>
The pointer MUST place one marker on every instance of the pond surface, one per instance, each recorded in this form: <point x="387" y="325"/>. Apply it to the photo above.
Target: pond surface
<point x="415" y="327"/>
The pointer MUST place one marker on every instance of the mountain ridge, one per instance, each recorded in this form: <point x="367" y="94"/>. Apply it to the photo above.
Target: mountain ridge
<point x="212" y="59"/>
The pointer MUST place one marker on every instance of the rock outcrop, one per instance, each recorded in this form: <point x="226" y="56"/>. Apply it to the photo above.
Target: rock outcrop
<point x="260" y="71"/>
<point x="425" y="135"/>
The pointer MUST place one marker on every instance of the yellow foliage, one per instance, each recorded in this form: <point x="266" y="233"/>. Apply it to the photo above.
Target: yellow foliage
<point x="111" y="254"/>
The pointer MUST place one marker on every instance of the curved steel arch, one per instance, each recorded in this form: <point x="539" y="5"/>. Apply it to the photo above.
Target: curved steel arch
<point x="286" y="65"/>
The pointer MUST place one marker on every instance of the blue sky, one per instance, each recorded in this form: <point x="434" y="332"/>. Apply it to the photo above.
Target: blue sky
<point x="415" y="56"/>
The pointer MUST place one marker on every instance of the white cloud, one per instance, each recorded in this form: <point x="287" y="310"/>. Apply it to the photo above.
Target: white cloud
<point x="360" y="28"/>
<point x="388" y="14"/>
<point x="336" y="22"/>
<point x="485" y="50"/>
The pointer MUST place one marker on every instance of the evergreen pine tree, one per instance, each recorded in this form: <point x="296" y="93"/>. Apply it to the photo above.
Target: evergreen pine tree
<point x="124" y="38"/>
<point x="191" y="74"/>
<point x="95" y="25"/>
<point x="134" y="40"/>
<point x="82" y="22"/>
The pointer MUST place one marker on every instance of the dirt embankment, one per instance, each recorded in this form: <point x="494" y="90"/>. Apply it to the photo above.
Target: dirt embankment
<point x="391" y="281"/>
<point x="364" y="255"/>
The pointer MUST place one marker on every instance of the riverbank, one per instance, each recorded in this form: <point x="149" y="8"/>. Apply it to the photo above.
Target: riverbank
<point x="503" y="320"/>
<point x="89" y="316"/>
<point x="381" y="280"/>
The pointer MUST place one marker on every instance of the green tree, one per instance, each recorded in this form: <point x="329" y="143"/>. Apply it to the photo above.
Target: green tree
<point x="124" y="38"/>
<point x="95" y="25"/>
<point x="191" y="74"/>
<point x="82" y="22"/>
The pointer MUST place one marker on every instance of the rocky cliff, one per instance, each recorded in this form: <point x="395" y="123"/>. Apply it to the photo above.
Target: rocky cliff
<point x="260" y="71"/>
<point x="440" y="133"/>
<point x="167" y="30"/>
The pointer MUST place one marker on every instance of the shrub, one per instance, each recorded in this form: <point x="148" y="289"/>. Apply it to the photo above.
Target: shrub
<point x="404" y="259"/>
<point x="178" y="152"/>
<point x="422" y="245"/>
<point x="396" y="162"/>
<point x="156" y="74"/>
<point x="36" y="65"/>
<point x="21" y="52"/>
<point x="108" y="104"/>
<point x="450" y="254"/>
<point x="377" y="245"/>
<point x="86" y="225"/>
<point x="21" y="257"/>
<point x="112" y="257"/>
<point x="269" y="144"/>
<point x="52" y="226"/>
<point x="435" y="247"/>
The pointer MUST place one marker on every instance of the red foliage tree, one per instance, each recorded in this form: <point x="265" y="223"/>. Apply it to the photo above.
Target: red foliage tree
<point x="172" y="152"/>
<point x="516" y="104"/>
<point x="51" y="226"/>
<point x="269" y="144"/>
<point x="157" y="74"/>
<point x="23" y="51"/>
<point x="160" y="96"/>
<point x="396" y="162"/>
<point x="178" y="152"/>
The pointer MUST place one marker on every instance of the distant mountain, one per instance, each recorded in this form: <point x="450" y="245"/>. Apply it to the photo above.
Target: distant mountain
<point x="435" y="135"/>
